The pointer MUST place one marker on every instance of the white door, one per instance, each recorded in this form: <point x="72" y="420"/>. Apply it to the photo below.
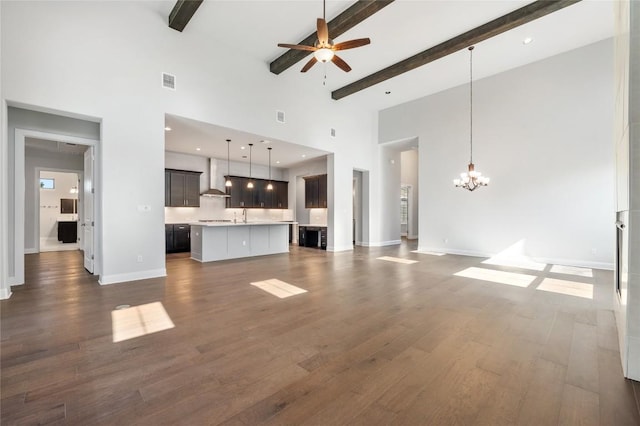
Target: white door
<point x="88" y="222"/>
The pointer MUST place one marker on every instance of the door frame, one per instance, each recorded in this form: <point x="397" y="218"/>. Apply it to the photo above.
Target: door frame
<point x="19" y="188"/>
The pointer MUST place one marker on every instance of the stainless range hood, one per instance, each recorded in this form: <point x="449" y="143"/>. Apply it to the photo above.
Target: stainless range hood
<point x="215" y="181"/>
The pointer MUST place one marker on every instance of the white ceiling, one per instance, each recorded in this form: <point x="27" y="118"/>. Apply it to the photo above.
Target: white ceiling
<point x="53" y="146"/>
<point x="398" y="31"/>
<point x="203" y="139"/>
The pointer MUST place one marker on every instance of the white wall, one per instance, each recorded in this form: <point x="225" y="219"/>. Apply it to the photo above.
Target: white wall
<point x="409" y="176"/>
<point x="543" y="133"/>
<point x="103" y="74"/>
<point x="36" y="159"/>
<point x="50" y="203"/>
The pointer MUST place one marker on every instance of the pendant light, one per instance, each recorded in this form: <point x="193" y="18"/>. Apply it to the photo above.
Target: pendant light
<point x="228" y="183"/>
<point x="471" y="179"/>
<point x="270" y="185"/>
<point x="250" y="184"/>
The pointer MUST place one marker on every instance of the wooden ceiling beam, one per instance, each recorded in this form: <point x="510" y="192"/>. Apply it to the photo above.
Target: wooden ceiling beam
<point x="500" y="25"/>
<point x="182" y="13"/>
<point x="356" y="13"/>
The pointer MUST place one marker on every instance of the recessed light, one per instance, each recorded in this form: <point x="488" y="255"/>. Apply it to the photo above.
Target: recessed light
<point x="242" y="147"/>
<point x="167" y="128"/>
<point x="527" y="40"/>
<point x="304" y="155"/>
<point x="277" y="161"/>
<point x="197" y="149"/>
<point x="265" y="141"/>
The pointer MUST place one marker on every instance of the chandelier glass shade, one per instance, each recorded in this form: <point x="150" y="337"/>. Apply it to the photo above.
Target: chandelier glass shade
<point x="270" y="185"/>
<point x="250" y="184"/>
<point x="228" y="183"/>
<point x="471" y="179"/>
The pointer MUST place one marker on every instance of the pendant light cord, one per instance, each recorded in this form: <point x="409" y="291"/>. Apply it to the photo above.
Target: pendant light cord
<point x="471" y="103"/>
<point x="250" y="151"/>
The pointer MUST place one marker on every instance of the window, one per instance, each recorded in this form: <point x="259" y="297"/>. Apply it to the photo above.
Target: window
<point x="47" y="183"/>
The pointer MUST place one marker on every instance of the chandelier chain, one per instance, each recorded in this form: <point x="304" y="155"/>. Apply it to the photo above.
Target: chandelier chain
<point x="471" y="103"/>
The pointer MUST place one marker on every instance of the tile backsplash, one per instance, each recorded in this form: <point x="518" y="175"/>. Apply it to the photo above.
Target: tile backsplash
<point x="213" y="208"/>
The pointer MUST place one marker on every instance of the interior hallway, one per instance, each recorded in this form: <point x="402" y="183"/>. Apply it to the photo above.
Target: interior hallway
<point x="371" y="342"/>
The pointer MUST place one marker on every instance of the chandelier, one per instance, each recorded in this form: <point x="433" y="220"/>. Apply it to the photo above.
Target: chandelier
<point x="471" y="179"/>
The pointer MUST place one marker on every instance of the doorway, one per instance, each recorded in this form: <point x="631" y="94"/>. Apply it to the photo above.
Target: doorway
<point x="58" y="211"/>
<point x="27" y="158"/>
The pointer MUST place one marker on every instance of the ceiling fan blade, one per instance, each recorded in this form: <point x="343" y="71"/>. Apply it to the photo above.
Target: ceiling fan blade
<point x="340" y="63"/>
<point x="297" y="46"/>
<point x="309" y="64"/>
<point x="351" y="44"/>
<point x="323" y="31"/>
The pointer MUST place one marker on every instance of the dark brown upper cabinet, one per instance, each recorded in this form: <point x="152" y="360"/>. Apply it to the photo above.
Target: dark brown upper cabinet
<point x="181" y="188"/>
<point x="315" y="192"/>
<point x="259" y="197"/>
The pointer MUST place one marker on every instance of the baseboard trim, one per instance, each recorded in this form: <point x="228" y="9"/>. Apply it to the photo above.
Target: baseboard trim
<point x="132" y="276"/>
<point x="549" y="261"/>
<point x="30" y="251"/>
<point x="5" y="293"/>
<point x="412" y="237"/>
<point x="382" y="243"/>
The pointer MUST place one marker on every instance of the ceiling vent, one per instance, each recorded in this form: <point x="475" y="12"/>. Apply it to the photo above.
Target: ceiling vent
<point x="280" y="116"/>
<point x="168" y="81"/>
<point x="333" y="132"/>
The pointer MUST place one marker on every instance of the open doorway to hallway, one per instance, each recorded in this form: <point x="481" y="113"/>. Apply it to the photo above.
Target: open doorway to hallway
<point x="58" y="211"/>
<point x="41" y="141"/>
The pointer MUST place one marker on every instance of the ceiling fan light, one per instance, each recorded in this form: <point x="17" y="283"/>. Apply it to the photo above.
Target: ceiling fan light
<point x="323" y="55"/>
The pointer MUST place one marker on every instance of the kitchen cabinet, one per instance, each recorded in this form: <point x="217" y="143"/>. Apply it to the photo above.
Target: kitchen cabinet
<point x="68" y="231"/>
<point x="182" y="188"/>
<point x="259" y="197"/>
<point x="313" y="236"/>
<point x="315" y="191"/>
<point x="177" y="238"/>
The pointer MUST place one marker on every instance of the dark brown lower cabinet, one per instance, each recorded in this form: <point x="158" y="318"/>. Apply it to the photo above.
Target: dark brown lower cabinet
<point x="177" y="237"/>
<point x="68" y="231"/>
<point x="313" y="236"/>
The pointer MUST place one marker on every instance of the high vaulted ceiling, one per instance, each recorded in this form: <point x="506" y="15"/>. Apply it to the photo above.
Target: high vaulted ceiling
<point x="398" y="31"/>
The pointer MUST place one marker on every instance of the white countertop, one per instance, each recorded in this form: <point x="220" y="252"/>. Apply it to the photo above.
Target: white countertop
<point x="313" y="224"/>
<point x="239" y="223"/>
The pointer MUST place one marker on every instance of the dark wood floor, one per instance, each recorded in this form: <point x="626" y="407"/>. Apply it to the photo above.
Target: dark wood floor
<point x="371" y="342"/>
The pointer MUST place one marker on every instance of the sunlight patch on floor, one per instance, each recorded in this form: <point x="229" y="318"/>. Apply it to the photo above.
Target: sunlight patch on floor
<point x="500" y="277"/>
<point x="397" y="260"/>
<point x="278" y="288"/>
<point x="570" y="288"/>
<point x="572" y="270"/>
<point x="138" y="321"/>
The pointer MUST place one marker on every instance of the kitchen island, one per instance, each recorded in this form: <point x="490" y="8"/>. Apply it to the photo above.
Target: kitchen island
<point x="211" y="241"/>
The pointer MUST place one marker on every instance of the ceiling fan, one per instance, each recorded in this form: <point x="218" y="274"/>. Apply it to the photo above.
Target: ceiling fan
<point x="324" y="49"/>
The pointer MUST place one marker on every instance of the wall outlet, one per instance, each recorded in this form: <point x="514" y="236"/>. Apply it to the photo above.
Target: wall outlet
<point x="445" y="240"/>
<point x="139" y="258"/>
<point x="594" y="251"/>
<point x="244" y="243"/>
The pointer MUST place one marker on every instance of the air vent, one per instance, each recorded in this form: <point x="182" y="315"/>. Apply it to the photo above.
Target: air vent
<point x="280" y="116"/>
<point x="168" y="81"/>
<point x="333" y="132"/>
